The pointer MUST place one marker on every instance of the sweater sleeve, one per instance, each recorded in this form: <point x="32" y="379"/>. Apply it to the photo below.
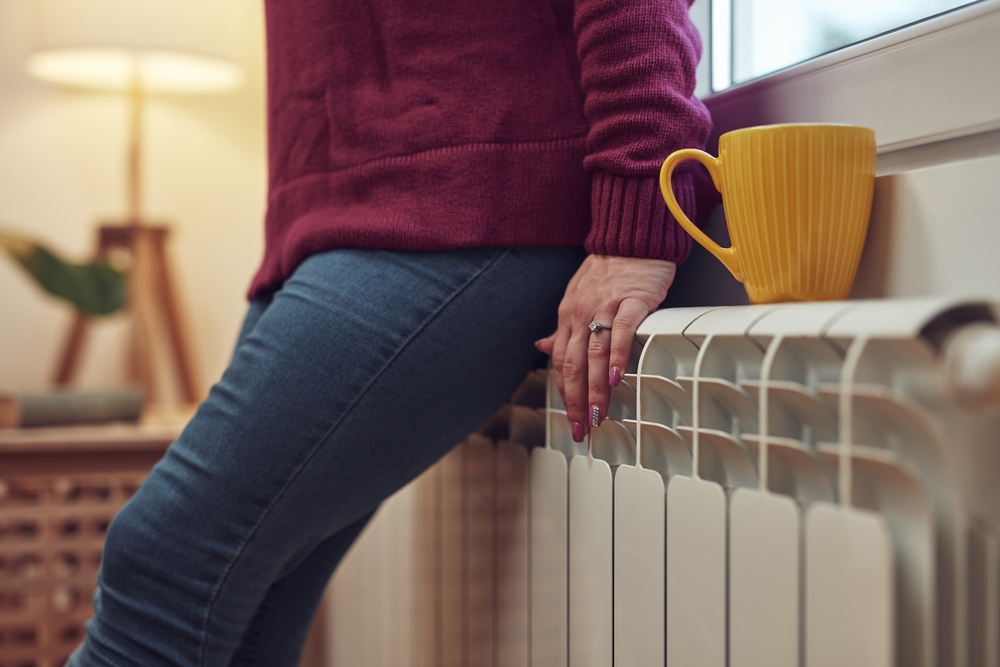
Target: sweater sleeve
<point x="638" y="60"/>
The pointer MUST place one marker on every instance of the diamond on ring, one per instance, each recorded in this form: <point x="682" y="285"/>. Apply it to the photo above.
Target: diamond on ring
<point x="594" y="326"/>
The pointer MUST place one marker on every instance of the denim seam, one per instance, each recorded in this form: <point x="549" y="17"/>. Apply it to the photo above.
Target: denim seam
<point x="258" y="630"/>
<point x="277" y="498"/>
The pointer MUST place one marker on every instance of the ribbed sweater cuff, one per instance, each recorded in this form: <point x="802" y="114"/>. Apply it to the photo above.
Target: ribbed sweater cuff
<point x="630" y="218"/>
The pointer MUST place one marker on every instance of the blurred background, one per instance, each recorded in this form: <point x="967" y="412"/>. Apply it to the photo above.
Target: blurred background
<point x="66" y="170"/>
<point x="63" y="172"/>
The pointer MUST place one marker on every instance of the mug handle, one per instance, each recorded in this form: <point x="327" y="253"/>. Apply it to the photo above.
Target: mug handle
<point x="725" y="255"/>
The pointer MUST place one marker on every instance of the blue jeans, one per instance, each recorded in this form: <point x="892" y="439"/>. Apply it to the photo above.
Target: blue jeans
<point x="363" y="370"/>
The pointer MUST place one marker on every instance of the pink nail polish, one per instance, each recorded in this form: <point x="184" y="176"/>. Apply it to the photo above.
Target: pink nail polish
<point x="615" y="376"/>
<point x="578" y="432"/>
<point x="595" y="416"/>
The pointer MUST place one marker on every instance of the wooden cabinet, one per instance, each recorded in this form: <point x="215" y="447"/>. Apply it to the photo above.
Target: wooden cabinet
<point x="59" y="490"/>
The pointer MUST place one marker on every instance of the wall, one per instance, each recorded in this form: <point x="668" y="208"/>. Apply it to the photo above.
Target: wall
<point x="62" y="171"/>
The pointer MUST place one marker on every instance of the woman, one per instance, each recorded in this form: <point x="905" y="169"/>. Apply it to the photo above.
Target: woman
<point x="440" y="170"/>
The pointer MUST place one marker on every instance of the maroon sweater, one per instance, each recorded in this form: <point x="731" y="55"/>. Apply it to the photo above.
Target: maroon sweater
<point x="437" y="124"/>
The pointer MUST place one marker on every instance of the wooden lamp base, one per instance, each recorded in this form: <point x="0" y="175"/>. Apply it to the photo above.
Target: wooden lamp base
<point x="153" y="306"/>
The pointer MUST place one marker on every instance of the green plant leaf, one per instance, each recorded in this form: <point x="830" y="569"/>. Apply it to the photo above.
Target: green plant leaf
<point x="96" y="288"/>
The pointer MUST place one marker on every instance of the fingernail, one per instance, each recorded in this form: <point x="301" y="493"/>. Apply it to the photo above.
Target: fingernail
<point x="578" y="432"/>
<point x="615" y="377"/>
<point x="595" y="416"/>
<point x="538" y="343"/>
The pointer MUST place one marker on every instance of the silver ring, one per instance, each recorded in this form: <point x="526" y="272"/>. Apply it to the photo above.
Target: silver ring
<point x="594" y="326"/>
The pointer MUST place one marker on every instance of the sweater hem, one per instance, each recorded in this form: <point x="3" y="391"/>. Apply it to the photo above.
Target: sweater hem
<point x="464" y="196"/>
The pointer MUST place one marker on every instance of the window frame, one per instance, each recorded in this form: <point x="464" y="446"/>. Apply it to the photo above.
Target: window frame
<point x="923" y="83"/>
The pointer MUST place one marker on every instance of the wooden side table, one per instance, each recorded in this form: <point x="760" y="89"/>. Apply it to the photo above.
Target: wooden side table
<point x="59" y="490"/>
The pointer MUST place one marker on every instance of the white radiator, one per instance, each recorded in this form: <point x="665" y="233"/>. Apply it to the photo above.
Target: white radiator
<point x="800" y="484"/>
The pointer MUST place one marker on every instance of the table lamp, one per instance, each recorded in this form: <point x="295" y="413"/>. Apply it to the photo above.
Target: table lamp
<point x="138" y="48"/>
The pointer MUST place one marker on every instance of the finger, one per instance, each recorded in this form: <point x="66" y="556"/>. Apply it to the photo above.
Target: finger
<point x="546" y="344"/>
<point x="563" y="336"/>
<point x="598" y="390"/>
<point x="631" y="313"/>
<point x="558" y="355"/>
<point x="575" y="379"/>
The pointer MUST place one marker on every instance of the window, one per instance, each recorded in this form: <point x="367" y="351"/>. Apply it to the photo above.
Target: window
<point x="927" y="88"/>
<point x="751" y="38"/>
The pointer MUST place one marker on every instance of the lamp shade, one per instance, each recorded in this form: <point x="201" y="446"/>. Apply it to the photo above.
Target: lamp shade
<point x="176" y="47"/>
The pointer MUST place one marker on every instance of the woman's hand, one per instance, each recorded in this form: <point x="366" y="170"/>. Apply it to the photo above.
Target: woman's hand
<point x="620" y="291"/>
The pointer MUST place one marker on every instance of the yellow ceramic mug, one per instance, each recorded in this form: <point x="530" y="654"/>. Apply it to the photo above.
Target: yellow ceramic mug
<point x="797" y="199"/>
